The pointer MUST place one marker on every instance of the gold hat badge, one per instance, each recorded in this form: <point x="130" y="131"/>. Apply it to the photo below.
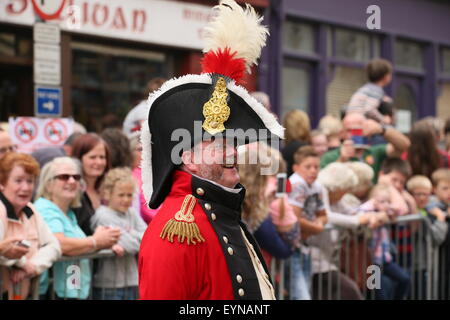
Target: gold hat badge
<point x="215" y="110"/>
<point x="183" y="224"/>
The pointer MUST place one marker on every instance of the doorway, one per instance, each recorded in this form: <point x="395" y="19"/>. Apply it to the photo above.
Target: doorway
<point x="16" y="91"/>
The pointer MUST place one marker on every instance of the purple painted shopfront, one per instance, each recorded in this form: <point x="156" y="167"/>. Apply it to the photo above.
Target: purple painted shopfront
<point x="317" y="51"/>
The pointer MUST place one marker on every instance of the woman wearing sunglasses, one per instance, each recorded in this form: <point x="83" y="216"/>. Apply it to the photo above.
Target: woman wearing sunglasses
<point x="35" y="248"/>
<point x="59" y="191"/>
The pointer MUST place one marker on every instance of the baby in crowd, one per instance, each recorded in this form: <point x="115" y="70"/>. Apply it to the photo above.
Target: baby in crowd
<point x="117" y="278"/>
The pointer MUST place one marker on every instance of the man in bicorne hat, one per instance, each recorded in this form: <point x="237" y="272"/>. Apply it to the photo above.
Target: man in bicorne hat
<point x="197" y="247"/>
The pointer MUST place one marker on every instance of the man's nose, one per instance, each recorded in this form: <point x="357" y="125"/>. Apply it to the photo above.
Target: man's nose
<point x="230" y="151"/>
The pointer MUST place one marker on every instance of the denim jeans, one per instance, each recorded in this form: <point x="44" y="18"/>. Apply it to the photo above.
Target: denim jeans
<point x="398" y="279"/>
<point x="127" y="293"/>
<point x="300" y="275"/>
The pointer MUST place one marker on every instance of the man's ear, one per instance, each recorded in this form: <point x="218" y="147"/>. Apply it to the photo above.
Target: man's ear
<point x="294" y="167"/>
<point x="187" y="159"/>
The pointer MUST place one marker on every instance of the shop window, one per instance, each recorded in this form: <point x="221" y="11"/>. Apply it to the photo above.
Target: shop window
<point x="12" y="45"/>
<point x="108" y="81"/>
<point x="296" y="89"/>
<point x="346" y="81"/>
<point x="446" y="60"/>
<point x="352" y="45"/>
<point x="299" y="37"/>
<point x="376" y="47"/>
<point x="329" y="33"/>
<point x="24" y="47"/>
<point x="7" y="44"/>
<point x="405" y="106"/>
<point x="408" y="54"/>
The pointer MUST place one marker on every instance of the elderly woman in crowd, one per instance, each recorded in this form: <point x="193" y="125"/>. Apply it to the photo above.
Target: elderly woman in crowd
<point x="58" y="193"/>
<point x="93" y="152"/>
<point x="19" y="219"/>
<point x="337" y="179"/>
<point x="360" y="192"/>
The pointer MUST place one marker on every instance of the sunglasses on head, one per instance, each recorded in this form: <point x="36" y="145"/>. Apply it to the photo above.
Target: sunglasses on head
<point x="66" y="177"/>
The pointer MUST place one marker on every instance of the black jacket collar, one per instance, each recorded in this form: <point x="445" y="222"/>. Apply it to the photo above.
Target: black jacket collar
<point x="10" y="209"/>
<point x="216" y="194"/>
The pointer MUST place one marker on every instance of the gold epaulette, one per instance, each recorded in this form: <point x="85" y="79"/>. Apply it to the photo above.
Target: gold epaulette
<point x="183" y="224"/>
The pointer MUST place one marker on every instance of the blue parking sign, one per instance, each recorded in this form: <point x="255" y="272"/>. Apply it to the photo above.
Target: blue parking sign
<point x="47" y="101"/>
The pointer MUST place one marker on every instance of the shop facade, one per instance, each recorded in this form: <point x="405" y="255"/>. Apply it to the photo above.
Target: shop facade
<point x="318" y="49"/>
<point x="110" y="49"/>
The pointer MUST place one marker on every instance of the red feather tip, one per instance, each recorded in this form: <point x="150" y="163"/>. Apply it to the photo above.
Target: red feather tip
<point x="223" y="62"/>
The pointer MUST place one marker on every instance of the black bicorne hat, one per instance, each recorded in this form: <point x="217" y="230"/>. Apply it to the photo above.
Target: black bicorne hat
<point x="192" y="108"/>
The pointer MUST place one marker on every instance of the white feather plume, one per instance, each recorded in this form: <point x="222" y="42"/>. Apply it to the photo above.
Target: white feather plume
<point x="237" y="28"/>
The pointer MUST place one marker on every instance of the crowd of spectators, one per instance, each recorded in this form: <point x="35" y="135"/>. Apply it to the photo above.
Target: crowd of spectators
<point x="352" y="173"/>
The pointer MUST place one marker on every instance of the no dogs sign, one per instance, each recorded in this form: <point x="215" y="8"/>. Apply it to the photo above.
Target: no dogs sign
<point x="30" y="133"/>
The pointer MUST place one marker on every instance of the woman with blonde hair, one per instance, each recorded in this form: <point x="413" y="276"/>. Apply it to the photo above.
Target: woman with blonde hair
<point x="258" y="166"/>
<point x="59" y="191"/>
<point x="297" y="134"/>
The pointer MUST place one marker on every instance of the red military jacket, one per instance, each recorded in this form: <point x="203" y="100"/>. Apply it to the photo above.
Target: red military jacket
<point x="218" y="268"/>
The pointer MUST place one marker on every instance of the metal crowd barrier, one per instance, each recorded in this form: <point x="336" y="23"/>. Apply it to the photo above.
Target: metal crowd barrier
<point x="74" y="261"/>
<point x="413" y="249"/>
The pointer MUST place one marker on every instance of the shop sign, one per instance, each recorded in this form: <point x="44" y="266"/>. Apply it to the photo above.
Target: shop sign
<point x="46" y="33"/>
<point x="170" y="23"/>
<point x="48" y="101"/>
<point x="48" y="9"/>
<point x="47" y="64"/>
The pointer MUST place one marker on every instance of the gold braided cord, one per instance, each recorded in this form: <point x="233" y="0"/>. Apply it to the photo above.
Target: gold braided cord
<point x="183" y="225"/>
<point x="183" y="230"/>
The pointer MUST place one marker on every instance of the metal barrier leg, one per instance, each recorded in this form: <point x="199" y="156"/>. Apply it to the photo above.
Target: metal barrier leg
<point x="422" y="269"/>
<point x="430" y="269"/>
<point x="364" y="270"/>
<point x="320" y="276"/>
<point x="412" y="267"/>
<point x="281" y="286"/>
<point x="356" y="257"/>
<point x="436" y="274"/>
<point x="338" y="264"/>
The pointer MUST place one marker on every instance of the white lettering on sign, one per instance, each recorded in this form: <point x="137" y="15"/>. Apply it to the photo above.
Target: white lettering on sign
<point x="46" y="33"/>
<point x="168" y="23"/>
<point x="47" y="64"/>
